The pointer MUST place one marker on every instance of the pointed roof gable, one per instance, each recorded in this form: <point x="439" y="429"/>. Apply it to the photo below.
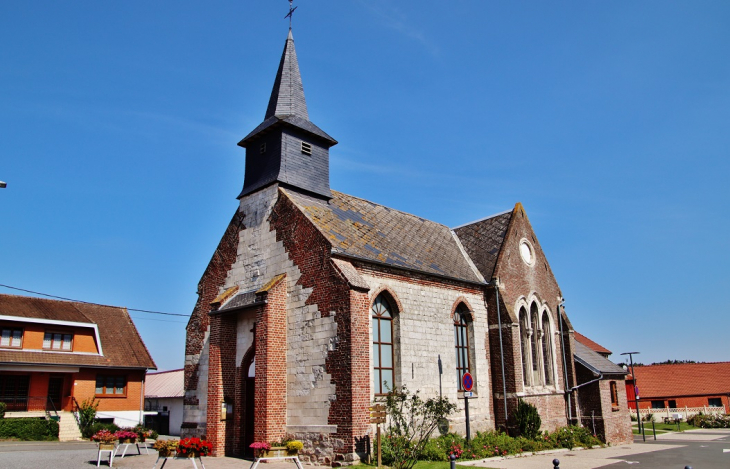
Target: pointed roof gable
<point x="287" y="97"/>
<point x="360" y="229"/>
<point x="287" y="104"/>
<point x="483" y="240"/>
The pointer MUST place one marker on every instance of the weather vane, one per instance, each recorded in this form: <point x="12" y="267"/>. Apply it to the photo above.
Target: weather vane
<point x="291" y="11"/>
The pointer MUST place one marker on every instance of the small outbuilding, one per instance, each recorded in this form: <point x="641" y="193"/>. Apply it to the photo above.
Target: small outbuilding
<point x="163" y="401"/>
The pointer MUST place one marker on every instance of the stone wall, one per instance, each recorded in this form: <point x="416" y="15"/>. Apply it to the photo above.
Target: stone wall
<point x="424" y="329"/>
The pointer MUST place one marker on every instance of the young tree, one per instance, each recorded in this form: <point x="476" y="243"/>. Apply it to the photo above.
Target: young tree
<point x="411" y="421"/>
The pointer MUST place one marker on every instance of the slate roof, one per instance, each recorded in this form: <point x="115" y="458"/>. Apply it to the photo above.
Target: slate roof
<point x="590" y="344"/>
<point x="483" y="240"/>
<point x="683" y="379"/>
<point x="121" y="343"/>
<point x="287" y="104"/>
<point x="165" y="384"/>
<point x="595" y="362"/>
<point x="365" y="230"/>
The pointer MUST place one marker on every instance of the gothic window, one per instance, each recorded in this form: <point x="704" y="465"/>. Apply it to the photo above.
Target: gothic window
<point x="534" y="329"/>
<point x="461" y="343"/>
<point x="547" y="349"/>
<point x="525" y="341"/>
<point x="383" y="381"/>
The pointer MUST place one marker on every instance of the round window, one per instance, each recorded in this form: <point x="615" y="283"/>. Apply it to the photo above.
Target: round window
<point x="526" y="252"/>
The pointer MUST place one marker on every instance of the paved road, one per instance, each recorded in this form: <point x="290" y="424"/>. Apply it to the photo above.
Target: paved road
<point x="701" y="449"/>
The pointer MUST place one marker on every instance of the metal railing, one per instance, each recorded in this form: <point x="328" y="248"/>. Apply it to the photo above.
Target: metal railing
<point x="33" y="404"/>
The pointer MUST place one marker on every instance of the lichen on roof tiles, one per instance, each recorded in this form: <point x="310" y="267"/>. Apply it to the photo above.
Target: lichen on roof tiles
<point x="363" y="229"/>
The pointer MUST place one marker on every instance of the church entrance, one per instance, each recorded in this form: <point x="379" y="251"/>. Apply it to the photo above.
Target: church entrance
<point x="249" y="404"/>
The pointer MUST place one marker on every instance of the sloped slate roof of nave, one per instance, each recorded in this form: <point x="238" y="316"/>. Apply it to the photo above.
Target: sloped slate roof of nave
<point x="596" y="362"/>
<point x="362" y="229"/>
<point x="483" y="240"/>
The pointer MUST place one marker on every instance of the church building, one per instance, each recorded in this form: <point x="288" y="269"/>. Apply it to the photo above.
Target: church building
<point x="316" y="302"/>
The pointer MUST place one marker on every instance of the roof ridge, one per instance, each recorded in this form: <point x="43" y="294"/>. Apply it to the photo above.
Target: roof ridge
<point x="483" y="219"/>
<point x="166" y="371"/>
<point x="56" y="300"/>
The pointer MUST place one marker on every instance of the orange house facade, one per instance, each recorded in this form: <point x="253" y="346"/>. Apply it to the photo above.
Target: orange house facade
<point x="56" y="354"/>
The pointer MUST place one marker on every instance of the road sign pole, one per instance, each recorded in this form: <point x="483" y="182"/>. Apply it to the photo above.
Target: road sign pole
<point x="379" y="460"/>
<point x="466" y="411"/>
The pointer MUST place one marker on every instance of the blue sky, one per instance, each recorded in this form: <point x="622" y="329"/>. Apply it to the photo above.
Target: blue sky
<point x="607" y="120"/>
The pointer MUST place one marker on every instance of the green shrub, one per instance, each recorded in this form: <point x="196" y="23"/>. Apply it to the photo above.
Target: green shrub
<point x="96" y="426"/>
<point x="85" y="416"/>
<point x="709" y="421"/>
<point x="438" y="449"/>
<point x="29" y="429"/>
<point x="527" y="420"/>
<point x="3" y="408"/>
<point x="648" y="417"/>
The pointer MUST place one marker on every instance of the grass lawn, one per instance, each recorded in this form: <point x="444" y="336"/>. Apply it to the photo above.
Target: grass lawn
<point x="662" y="427"/>
<point x="434" y="465"/>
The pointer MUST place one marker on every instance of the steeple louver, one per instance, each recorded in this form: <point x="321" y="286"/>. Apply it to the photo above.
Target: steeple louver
<point x="287" y="148"/>
<point x="287" y="97"/>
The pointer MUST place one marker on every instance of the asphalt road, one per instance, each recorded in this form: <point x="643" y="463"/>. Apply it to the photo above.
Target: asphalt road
<point x="697" y="448"/>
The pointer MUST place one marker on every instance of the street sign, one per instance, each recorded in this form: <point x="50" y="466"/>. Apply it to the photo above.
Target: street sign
<point x="467" y="381"/>
<point x="468" y="394"/>
<point x="378" y="414"/>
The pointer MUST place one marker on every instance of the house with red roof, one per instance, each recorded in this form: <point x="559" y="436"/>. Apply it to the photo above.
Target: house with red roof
<point x="599" y="349"/>
<point x="677" y="386"/>
<point x="56" y="354"/>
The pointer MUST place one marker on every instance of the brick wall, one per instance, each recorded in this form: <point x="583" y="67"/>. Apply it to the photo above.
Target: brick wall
<point x="523" y="284"/>
<point x="610" y="424"/>
<point x="196" y="344"/>
<point x="85" y="387"/>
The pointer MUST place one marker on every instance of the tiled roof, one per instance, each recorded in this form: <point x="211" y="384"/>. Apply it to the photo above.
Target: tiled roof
<point x="595" y="362"/>
<point x="483" y="240"/>
<point x="365" y="230"/>
<point x="165" y="384"/>
<point x="121" y="343"/>
<point x="684" y="379"/>
<point x="590" y="344"/>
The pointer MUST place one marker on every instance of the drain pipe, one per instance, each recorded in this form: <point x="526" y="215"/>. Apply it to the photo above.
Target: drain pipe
<point x="568" y="391"/>
<point x="495" y="284"/>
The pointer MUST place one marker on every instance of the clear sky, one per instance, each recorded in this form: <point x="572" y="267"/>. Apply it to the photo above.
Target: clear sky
<point x="609" y="121"/>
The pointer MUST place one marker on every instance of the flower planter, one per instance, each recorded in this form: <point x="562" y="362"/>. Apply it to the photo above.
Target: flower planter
<point x="107" y="446"/>
<point x="275" y="452"/>
<point x="126" y="441"/>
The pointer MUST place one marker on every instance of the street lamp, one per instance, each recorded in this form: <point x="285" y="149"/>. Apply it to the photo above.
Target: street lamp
<point x="636" y="391"/>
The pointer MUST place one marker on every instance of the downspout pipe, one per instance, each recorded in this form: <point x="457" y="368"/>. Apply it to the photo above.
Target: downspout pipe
<point x="568" y="391"/>
<point x="495" y="283"/>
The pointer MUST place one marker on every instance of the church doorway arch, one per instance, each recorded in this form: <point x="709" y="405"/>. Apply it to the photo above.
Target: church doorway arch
<point x="248" y="380"/>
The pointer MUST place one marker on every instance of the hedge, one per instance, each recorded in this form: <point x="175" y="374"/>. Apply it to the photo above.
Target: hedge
<point x="29" y="429"/>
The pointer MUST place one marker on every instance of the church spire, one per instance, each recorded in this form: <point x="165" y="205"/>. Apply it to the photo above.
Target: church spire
<point x="287" y="97"/>
<point x="287" y="148"/>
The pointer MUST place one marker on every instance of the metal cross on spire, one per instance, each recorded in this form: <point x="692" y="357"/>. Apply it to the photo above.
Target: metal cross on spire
<point x="291" y="11"/>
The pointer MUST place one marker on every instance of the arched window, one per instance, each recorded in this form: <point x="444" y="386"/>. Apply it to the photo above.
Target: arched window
<point x="525" y="341"/>
<point x="535" y="328"/>
<point x="383" y="381"/>
<point x="461" y="342"/>
<point x="547" y="348"/>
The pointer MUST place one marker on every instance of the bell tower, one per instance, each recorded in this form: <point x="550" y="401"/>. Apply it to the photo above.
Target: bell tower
<point x="287" y="148"/>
